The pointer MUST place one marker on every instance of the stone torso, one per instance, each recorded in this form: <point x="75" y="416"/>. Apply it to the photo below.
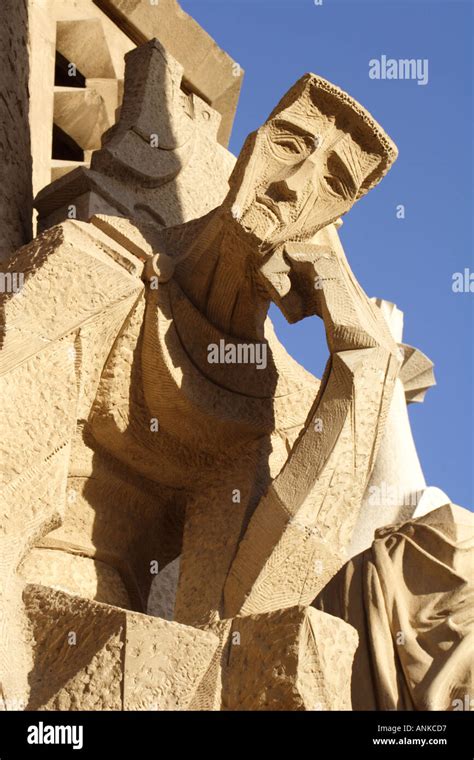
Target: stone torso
<point x="166" y="431"/>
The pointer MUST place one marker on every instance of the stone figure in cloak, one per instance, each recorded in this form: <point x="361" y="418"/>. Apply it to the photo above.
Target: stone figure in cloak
<point x="127" y="447"/>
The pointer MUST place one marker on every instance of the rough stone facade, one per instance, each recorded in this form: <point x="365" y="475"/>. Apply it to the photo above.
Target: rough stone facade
<point x="16" y="165"/>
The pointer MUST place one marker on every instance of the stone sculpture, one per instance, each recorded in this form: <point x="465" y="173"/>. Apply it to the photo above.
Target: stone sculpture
<point x="410" y="599"/>
<point x="133" y="443"/>
<point x="163" y="145"/>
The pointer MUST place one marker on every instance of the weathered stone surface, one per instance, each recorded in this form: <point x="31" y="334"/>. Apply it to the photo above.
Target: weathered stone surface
<point x="161" y="599"/>
<point x="207" y="68"/>
<point x="44" y="37"/>
<point x="291" y="659"/>
<point x="91" y="656"/>
<point x="397" y="484"/>
<point x="164" y="663"/>
<point x="62" y="33"/>
<point x="78" y="652"/>
<point x="15" y="186"/>
<point x="162" y="147"/>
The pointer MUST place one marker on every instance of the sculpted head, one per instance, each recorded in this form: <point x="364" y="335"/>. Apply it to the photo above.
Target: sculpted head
<point x="318" y="152"/>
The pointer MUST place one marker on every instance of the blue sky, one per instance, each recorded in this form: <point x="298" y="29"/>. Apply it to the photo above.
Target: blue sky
<point x="408" y="261"/>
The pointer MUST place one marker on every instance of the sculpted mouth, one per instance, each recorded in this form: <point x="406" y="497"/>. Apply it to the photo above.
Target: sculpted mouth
<point x="270" y="206"/>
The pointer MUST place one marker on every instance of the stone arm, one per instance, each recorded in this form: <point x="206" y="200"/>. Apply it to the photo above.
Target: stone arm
<point x="296" y="538"/>
<point x="397" y="488"/>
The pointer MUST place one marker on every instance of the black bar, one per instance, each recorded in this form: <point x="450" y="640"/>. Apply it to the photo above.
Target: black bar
<point x="321" y="734"/>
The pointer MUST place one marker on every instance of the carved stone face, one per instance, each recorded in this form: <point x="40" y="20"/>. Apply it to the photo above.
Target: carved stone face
<point x="304" y="168"/>
<point x="299" y="179"/>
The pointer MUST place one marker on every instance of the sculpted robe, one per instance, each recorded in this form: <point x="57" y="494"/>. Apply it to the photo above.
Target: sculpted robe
<point x="91" y="495"/>
<point x="410" y="597"/>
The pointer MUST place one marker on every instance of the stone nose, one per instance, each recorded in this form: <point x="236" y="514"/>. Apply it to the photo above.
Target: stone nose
<point x="283" y="191"/>
<point x="289" y="188"/>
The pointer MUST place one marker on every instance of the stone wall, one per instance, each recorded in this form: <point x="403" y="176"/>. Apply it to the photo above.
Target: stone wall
<point x="15" y="171"/>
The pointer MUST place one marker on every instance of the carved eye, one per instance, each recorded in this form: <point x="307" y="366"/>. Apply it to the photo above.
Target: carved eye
<point x="337" y="186"/>
<point x="340" y="180"/>
<point x="288" y="146"/>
